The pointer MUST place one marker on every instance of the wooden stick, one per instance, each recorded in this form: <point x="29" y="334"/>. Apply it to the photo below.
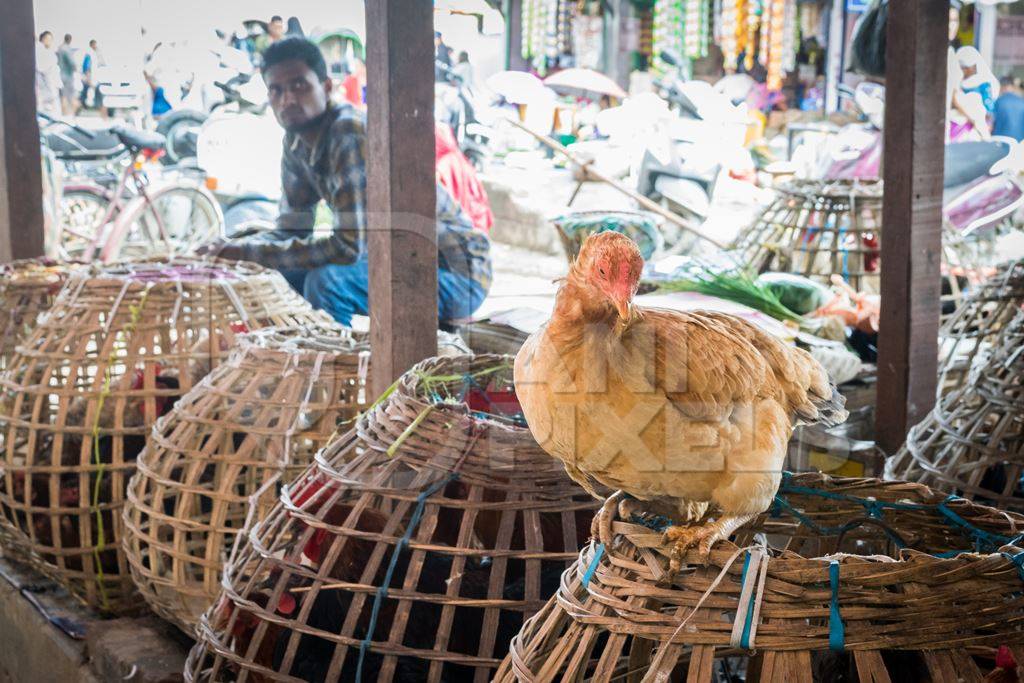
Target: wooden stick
<point x="640" y="199"/>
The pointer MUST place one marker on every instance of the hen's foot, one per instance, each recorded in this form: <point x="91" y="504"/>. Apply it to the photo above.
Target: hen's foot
<point x="703" y="537"/>
<point x="601" y="526"/>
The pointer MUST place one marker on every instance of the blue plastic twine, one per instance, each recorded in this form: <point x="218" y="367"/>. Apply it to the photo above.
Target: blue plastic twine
<point x="382" y="592"/>
<point x="836" y="630"/>
<point x="592" y="567"/>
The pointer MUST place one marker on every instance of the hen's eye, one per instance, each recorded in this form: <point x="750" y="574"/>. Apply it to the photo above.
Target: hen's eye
<point x="601" y="271"/>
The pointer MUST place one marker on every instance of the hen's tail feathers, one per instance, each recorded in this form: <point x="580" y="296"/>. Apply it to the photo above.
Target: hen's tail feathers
<point x="827" y="412"/>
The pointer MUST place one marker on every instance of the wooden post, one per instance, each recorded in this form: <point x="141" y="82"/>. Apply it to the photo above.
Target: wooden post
<point x="915" y="120"/>
<point x="513" y="11"/>
<point x="21" y="185"/>
<point x="401" y="194"/>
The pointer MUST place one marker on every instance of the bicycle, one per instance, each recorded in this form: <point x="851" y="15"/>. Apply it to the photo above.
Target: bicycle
<point x="136" y="218"/>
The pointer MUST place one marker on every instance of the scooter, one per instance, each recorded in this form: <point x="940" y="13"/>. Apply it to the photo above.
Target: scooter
<point x="705" y="139"/>
<point x="981" y="186"/>
<point x="232" y="85"/>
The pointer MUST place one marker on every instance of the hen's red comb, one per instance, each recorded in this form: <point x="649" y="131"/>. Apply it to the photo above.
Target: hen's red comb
<point x="1005" y="659"/>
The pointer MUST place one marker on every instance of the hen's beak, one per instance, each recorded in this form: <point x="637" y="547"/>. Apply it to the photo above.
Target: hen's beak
<point x="623" y="305"/>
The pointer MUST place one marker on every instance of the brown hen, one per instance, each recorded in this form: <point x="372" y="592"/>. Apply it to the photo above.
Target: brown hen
<point x="677" y="410"/>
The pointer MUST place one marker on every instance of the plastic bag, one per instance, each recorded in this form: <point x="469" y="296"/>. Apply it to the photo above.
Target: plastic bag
<point x="867" y="49"/>
<point x="797" y="293"/>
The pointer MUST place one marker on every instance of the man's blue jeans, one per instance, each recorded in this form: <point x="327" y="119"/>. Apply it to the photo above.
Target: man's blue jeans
<point x="343" y="290"/>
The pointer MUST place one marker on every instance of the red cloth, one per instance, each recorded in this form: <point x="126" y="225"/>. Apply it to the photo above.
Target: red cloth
<point x="458" y="176"/>
<point x="352" y="89"/>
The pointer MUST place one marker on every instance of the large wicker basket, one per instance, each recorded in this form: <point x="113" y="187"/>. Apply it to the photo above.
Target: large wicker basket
<point x="836" y="577"/>
<point x="969" y="334"/>
<point x="822" y="228"/>
<point x="411" y="550"/>
<point x="117" y="349"/>
<point x="972" y="443"/>
<point x="252" y="424"/>
<point x="27" y="289"/>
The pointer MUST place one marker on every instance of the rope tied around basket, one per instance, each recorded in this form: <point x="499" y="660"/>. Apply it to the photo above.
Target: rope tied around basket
<point x="134" y="315"/>
<point x="414" y="520"/>
<point x="984" y="541"/>
<point x="382" y="590"/>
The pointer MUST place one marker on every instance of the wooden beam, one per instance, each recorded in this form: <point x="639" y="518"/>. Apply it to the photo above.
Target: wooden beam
<point x="915" y="120"/>
<point x="401" y="190"/>
<point x="21" y="185"/>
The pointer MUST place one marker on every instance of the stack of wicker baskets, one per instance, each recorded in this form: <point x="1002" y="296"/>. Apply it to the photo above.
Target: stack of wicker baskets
<point x="823" y="228"/>
<point x="254" y="422"/>
<point x="27" y="289"/>
<point x="972" y="443"/>
<point x="968" y="335"/>
<point x="857" y="570"/>
<point x="117" y="349"/>
<point x="411" y="550"/>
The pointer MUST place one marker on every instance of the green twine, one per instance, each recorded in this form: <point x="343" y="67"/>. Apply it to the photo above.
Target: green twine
<point x="135" y="312"/>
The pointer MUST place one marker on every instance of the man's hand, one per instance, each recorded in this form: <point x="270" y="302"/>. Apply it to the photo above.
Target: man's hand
<point x="221" y="248"/>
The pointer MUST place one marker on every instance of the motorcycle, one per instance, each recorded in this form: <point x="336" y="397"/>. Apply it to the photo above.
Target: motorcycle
<point x="239" y="149"/>
<point x="456" y="105"/>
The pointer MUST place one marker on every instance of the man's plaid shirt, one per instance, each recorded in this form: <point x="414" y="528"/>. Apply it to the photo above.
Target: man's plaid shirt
<point x="335" y="170"/>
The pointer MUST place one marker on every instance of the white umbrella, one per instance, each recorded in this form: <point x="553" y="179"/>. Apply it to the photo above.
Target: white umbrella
<point x="517" y="87"/>
<point x="585" y="79"/>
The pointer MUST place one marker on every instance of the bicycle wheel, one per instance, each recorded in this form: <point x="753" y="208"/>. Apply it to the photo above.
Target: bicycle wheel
<point x="189" y="217"/>
<point x="82" y="210"/>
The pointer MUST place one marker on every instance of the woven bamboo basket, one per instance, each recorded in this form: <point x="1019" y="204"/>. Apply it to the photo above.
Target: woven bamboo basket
<point x="27" y="289"/>
<point x="119" y="346"/>
<point x="411" y="551"/>
<point x="252" y="424"/>
<point x="972" y="443"/>
<point x="842" y="580"/>
<point x="967" y="337"/>
<point x="822" y="228"/>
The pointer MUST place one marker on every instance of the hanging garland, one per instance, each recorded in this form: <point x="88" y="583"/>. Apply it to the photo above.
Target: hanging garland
<point x="778" y="36"/>
<point x="668" y="30"/>
<point x="753" y="21"/>
<point x="693" y="28"/>
<point x="526" y="42"/>
<point x="764" y="40"/>
<point x="728" y="33"/>
<point x="547" y="27"/>
<point x="791" y="38"/>
<point x="705" y="27"/>
<point x="741" y="28"/>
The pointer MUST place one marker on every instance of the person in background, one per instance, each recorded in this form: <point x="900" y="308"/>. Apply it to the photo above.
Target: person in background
<point x="294" y="27"/>
<point x="325" y="159"/>
<point x="241" y="41"/>
<point x="1009" y="110"/>
<point x="442" y="52"/>
<point x="91" y="96"/>
<point x="442" y="56"/>
<point x="160" y="104"/>
<point x="47" y="76"/>
<point x="463" y="69"/>
<point x="977" y="77"/>
<point x="275" y="31"/>
<point x="68" y="76"/>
